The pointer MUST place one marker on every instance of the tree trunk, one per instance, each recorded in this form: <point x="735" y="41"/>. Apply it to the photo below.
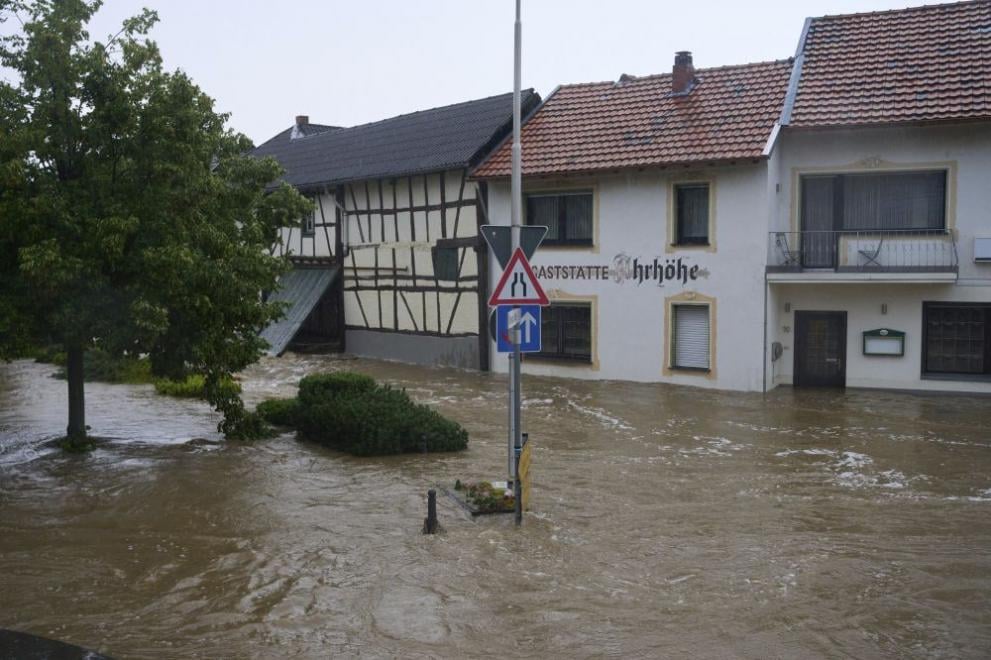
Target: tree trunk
<point x="77" y="401"/>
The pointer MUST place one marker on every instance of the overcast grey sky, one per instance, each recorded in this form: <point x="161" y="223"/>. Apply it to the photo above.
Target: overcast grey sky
<point x="347" y="63"/>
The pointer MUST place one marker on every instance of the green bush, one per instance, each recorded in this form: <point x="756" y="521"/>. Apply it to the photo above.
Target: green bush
<point x="193" y="386"/>
<point x="357" y="416"/>
<point x="281" y="412"/>
<point x="317" y="388"/>
<point x="102" y="367"/>
<point x="251" y="426"/>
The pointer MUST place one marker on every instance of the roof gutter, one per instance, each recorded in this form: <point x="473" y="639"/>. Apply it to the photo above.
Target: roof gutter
<point x="796" y="74"/>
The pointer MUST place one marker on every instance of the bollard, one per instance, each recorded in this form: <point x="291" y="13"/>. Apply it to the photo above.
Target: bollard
<point x="430" y="522"/>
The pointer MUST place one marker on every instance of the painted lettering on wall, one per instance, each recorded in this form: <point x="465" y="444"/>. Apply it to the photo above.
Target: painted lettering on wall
<point x="626" y="268"/>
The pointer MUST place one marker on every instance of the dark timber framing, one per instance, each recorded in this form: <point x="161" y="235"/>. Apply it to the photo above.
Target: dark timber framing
<point x="387" y="269"/>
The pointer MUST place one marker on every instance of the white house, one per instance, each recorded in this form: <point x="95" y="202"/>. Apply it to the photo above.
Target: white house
<point x="816" y="221"/>
<point x="879" y="246"/>
<point x="655" y="192"/>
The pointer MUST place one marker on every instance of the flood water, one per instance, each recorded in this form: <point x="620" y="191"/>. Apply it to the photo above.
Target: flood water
<point x="666" y="522"/>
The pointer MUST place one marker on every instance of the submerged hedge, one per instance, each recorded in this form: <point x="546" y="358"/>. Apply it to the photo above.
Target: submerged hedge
<point x="352" y="413"/>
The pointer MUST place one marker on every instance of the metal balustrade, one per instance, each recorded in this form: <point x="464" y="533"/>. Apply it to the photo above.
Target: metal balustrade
<point x="863" y="251"/>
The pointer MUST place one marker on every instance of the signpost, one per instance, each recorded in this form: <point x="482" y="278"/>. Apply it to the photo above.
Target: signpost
<point x="518" y="296"/>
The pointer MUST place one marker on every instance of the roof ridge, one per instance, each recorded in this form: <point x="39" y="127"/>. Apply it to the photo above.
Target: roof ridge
<point x="903" y="10"/>
<point x="652" y="76"/>
<point x="439" y="107"/>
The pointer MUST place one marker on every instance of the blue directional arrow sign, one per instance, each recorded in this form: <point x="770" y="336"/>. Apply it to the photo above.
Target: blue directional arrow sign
<point x="529" y="323"/>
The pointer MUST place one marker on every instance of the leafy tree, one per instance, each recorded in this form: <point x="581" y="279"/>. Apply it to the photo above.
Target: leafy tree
<point x="130" y="217"/>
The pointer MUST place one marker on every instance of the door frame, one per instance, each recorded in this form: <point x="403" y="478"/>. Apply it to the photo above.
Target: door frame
<point x="800" y="317"/>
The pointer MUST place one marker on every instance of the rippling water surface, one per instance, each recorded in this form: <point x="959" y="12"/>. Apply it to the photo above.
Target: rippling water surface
<point x="666" y="522"/>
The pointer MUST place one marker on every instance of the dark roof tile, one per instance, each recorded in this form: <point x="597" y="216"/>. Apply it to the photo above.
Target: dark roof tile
<point x="425" y="141"/>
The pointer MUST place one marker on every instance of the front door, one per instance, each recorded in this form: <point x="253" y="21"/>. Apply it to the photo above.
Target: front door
<point x="820" y="349"/>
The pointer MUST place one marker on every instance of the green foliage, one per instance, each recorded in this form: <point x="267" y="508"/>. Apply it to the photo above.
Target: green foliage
<point x="193" y="386"/>
<point x="317" y="388"/>
<point x="251" y="426"/>
<point x="130" y="215"/>
<point x="48" y="355"/>
<point x="351" y="413"/>
<point x="485" y="497"/>
<point x="102" y="367"/>
<point x="280" y="412"/>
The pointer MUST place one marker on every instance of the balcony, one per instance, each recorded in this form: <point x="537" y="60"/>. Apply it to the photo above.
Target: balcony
<point x="908" y="255"/>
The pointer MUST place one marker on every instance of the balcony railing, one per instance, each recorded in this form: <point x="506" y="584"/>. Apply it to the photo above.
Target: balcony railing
<point x="864" y="251"/>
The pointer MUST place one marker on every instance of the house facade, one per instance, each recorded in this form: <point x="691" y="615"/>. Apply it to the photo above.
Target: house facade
<point x="655" y="192"/>
<point x="878" y="260"/>
<point x="816" y="221"/>
<point x="394" y="234"/>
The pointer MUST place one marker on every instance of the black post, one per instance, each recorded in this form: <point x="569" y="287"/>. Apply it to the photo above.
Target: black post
<point x="76" y="430"/>
<point x="430" y="524"/>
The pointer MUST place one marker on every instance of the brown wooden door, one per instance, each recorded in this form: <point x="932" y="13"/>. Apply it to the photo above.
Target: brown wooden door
<point x="820" y="349"/>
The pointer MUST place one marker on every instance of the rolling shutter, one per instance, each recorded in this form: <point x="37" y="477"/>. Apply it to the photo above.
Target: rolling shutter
<point x="691" y="336"/>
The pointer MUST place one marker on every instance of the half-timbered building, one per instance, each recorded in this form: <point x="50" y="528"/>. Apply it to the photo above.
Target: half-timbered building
<point x="389" y="264"/>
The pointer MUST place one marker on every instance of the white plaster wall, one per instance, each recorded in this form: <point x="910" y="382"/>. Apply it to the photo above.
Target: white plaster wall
<point x="321" y="243"/>
<point x="862" y="303"/>
<point x="629" y="324"/>
<point x="968" y="148"/>
<point x="404" y="242"/>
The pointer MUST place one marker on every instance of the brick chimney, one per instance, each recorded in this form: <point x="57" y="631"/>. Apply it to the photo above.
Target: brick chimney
<point x="683" y="73"/>
<point x="303" y="120"/>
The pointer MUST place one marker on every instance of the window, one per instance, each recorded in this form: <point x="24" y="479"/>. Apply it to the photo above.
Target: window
<point x="957" y="338"/>
<point x="309" y="223"/>
<point x="690" y="337"/>
<point x="445" y="262"/>
<point x="568" y="216"/>
<point x="692" y="213"/>
<point x="566" y="332"/>
<point x="874" y="201"/>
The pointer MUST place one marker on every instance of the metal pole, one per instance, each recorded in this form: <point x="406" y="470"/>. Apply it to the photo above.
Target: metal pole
<point x="516" y="212"/>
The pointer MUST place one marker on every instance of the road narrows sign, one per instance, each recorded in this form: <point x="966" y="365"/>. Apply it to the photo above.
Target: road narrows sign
<point x="518" y="285"/>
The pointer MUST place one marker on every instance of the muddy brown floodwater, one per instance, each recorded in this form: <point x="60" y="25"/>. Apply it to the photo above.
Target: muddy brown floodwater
<point x="666" y="523"/>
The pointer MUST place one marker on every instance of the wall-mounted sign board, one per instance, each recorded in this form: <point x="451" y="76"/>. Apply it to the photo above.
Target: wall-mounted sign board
<point x="884" y="341"/>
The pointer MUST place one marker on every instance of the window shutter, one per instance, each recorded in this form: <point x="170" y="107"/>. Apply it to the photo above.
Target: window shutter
<point x="691" y="336"/>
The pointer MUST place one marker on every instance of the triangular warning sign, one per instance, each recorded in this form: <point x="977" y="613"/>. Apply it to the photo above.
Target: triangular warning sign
<point x="518" y="285"/>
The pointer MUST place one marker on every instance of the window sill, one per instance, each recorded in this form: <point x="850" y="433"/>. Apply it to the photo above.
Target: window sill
<point x="567" y="246"/>
<point x="559" y="360"/>
<point x="691" y="370"/>
<point x="965" y="378"/>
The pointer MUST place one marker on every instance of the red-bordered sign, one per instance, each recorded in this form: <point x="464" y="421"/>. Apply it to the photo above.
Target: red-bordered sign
<point x="518" y="285"/>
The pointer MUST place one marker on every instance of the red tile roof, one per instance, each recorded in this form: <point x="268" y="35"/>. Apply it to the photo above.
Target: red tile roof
<point x="637" y="122"/>
<point x="929" y="63"/>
